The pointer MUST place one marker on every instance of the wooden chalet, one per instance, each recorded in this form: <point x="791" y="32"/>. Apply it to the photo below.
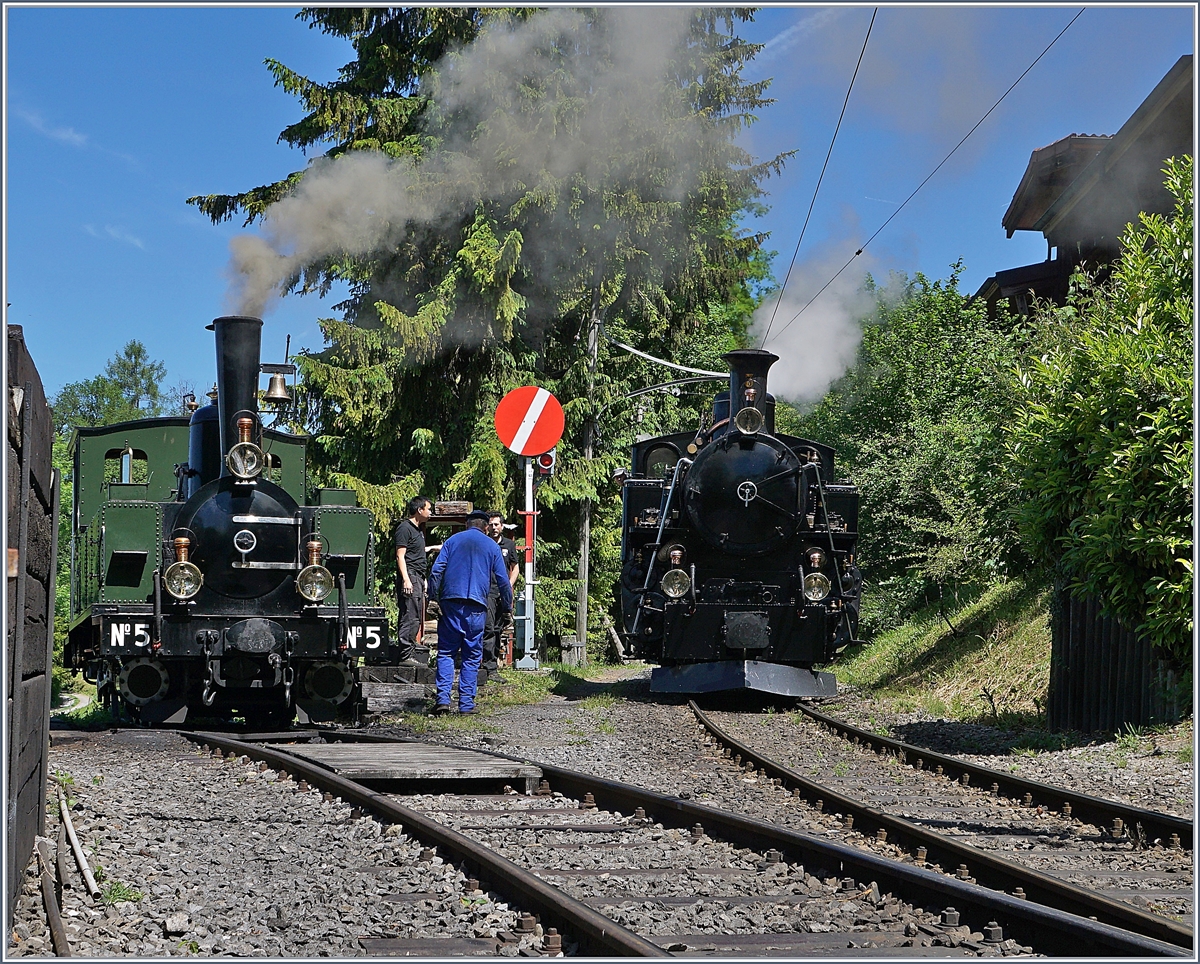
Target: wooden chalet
<point x="1081" y="191"/>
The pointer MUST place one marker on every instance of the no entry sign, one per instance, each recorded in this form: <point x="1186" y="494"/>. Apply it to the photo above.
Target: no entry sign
<point x="529" y="420"/>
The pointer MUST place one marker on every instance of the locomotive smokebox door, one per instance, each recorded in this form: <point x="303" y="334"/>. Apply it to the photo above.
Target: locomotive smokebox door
<point x="255" y="636"/>
<point x="747" y="630"/>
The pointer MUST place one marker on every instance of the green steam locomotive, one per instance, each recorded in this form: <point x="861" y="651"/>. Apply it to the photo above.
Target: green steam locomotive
<point x="204" y="580"/>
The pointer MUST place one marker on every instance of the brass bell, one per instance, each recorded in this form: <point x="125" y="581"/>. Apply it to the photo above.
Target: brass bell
<point x="277" y="392"/>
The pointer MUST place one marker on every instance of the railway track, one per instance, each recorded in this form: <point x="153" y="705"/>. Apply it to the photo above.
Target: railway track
<point x="1119" y="820"/>
<point x="620" y="870"/>
<point x="937" y="818"/>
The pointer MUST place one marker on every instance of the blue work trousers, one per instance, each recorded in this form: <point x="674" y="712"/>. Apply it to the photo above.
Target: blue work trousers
<point x="460" y="630"/>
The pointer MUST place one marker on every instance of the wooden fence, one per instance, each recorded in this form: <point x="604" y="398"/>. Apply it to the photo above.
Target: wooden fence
<point x="32" y="561"/>
<point x="1103" y="677"/>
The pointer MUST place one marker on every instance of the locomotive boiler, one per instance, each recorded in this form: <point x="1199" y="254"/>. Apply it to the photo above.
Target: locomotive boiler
<point x="738" y="550"/>
<point x="204" y="579"/>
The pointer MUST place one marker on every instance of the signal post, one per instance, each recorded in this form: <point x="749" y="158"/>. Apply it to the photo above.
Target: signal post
<point x="529" y="421"/>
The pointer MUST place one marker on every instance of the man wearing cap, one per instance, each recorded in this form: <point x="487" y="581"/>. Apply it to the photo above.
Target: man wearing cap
<point x="460" y="581"/>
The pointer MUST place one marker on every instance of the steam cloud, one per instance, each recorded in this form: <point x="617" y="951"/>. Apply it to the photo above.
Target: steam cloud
<point x="364" y="202"/>
<point x="820" y="345"/>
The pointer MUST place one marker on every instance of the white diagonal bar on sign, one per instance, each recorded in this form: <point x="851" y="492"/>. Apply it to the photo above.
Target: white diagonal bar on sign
<point x="530" y="420"/>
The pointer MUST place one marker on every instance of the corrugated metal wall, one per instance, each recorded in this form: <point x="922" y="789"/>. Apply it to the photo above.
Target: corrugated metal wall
<point x="1103" y="677"/>
<point x="32" y="520"/>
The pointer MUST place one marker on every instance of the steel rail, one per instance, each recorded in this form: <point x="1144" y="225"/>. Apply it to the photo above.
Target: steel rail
<point x="991" y="871"/>
<point x="1048" y="929"/>
<point x="1095" y="810"/>
<point x="595" y="933"/>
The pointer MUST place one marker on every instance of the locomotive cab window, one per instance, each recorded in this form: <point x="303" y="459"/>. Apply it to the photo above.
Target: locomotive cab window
<point x="125" y="466"/>
<point x="659" y="460"/>
<point x="273" y="469"/>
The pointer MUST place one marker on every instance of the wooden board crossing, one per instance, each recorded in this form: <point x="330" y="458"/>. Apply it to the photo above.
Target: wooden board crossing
<point x="426" y="762"/>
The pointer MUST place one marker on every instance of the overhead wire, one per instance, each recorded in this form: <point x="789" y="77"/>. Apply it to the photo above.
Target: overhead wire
<point x="817" y="189"/>
<point x="931" y="173"/>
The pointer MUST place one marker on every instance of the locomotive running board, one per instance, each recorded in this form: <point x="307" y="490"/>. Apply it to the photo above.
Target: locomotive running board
<point x="749" y="674"/>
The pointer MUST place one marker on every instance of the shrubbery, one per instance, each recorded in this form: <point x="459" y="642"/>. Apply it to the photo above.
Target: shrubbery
<point x="915" y="424"/>
<point x="1101" y="434"/>
<point x="1058" y="445"/>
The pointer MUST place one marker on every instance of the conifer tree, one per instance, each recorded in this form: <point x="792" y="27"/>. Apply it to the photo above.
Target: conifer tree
<point x="578" y="168"/>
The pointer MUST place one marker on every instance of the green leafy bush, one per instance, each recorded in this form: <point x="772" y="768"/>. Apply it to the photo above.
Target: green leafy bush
<point x="915" y="423"/>
<point x="1101" y="437"/>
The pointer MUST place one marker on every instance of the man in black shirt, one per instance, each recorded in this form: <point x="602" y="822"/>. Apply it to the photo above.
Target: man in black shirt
<point x="491" y="631"/>
<point x="410" y="580"/>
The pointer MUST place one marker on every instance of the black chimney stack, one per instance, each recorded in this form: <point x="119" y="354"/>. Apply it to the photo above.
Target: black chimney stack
<point x="239" y="342"/>
<point x="748" y="383"/>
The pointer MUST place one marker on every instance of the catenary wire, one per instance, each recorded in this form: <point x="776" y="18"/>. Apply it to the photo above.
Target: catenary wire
<point x="812" y="203"/>
<point x="930" y="175"/>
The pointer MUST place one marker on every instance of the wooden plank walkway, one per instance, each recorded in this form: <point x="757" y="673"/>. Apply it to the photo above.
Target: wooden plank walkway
<point x="416" y="761"/>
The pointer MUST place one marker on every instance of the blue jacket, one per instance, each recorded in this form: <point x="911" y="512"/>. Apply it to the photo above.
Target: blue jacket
<point x="465" y="567"/>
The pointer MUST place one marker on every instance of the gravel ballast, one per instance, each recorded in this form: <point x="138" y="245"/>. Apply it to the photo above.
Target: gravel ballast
<point x="230" y="861"/>
<point x="211" y="858"/>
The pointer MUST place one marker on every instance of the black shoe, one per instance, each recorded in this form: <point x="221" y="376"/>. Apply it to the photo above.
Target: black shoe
<point x="441" y="709"/>
<point x="473" y="711"/>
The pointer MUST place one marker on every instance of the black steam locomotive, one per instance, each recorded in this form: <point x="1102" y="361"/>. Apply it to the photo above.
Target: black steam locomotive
<point x="203" y="580"/>
<point x="738" y="551"/>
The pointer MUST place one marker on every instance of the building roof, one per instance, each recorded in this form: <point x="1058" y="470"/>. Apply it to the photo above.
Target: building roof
<point x="1125" y="176"/>
<point x="1050" y="172"/>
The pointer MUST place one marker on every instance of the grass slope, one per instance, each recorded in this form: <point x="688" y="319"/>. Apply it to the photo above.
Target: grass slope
<point x="987" y="660"/>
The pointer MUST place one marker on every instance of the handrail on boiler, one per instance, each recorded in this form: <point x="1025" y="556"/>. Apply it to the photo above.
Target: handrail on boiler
<point x="662" y="524"/>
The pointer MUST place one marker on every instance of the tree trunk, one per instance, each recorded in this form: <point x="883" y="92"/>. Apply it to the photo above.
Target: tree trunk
<point x="585" y="506"/>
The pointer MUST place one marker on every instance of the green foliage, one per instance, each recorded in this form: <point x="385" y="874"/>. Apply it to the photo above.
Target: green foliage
<point x="635" y="227"/>
<point x="1101" y="439"/>
<point x="92" y="716"/>
<point x="914" y="424"/>
<point x="130" y="387"/>
<point x="119" y="893"/>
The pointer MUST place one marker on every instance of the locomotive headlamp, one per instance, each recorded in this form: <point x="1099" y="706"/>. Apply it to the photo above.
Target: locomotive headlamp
<point x="315" y="582"/>
<point x="245" y="459"/>
<point x="676" y="583"/>
<point x="816" y="586"/>
<point x="816" y="559"/>
<point x="749" y="421"/>
<point x="183" y="579"/>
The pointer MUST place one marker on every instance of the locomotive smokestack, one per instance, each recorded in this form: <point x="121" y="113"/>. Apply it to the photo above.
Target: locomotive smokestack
<point x="239" y="341"/>
<point x="748" y="383"/>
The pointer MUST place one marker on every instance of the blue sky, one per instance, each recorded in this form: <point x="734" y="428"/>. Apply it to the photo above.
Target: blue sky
<point x="115" y="115"/>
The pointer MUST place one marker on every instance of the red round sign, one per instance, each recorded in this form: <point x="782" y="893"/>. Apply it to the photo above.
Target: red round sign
<point x="529" y="420"/>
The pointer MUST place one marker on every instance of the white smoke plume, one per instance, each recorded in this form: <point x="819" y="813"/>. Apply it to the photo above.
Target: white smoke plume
<point x="819" y="346"/>
<point x="361" y="203"/>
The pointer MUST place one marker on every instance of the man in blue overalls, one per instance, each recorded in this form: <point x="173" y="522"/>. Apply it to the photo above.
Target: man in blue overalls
<point x="460" y="580"/>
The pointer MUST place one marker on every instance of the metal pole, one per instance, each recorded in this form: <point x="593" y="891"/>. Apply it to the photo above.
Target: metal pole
<point x="529" y="658"/>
